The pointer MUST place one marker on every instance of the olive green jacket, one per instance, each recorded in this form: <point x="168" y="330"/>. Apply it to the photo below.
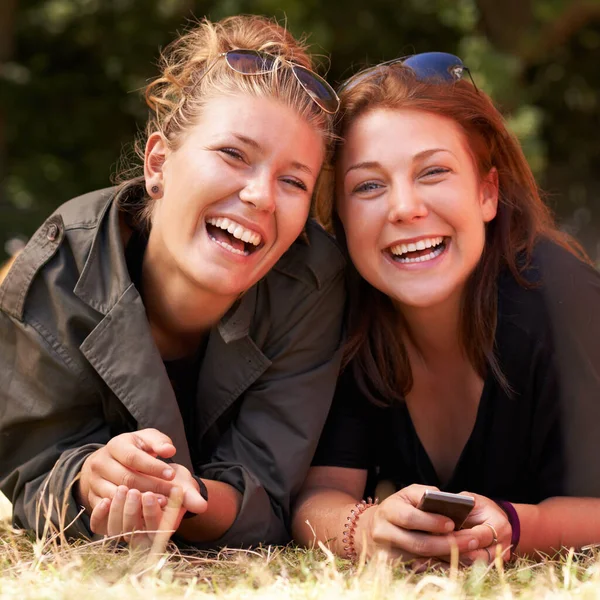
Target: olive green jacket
<point x="78" y="365"/>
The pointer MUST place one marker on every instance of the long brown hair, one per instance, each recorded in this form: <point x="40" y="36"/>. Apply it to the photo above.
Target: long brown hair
<point x="375" y="352"/>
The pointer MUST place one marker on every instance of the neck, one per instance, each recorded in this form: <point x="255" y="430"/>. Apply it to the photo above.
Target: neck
<point x="433" y="334"/>
<point x="180" y="313"/>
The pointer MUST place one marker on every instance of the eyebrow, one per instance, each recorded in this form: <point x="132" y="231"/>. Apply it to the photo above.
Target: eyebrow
<point x="373" y="164"/>
<point x="246" y="140"/>
<point x="254" y="144"/>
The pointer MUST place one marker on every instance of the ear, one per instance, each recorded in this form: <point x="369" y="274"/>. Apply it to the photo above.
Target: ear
<point x="489" y="195"/>
<point x="154" y="159"/>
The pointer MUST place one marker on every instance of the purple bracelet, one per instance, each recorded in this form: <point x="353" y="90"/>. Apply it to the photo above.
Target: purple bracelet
<point x="515" y="523"/>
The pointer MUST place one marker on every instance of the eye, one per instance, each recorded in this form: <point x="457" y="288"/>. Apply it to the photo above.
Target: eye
<point x="296" y="183"/>
<point x="367" y="186"/>
<point x="233" y="153"/>
<point x="435" y="171"/>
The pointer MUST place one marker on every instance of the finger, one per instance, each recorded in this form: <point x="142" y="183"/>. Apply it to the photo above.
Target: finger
<point x="126" y="451"/>
<point x="171" y="517"/>
<point x="193" y="501"/>
<point x="93" y="499"/>
<point x="414" y="493"/>
<point x="485" y="535"/>
<point x="409" y="517"/>
<point x="115" y="516"/>
<point x="132" y="512"/>
<point x="154" y="441"/>
<point x="422" y="544"/>
<point x="113" y="473"/>
<point x="152" y="513"/>
<point x="99" y="517"/>
<point x="101" y="488"/>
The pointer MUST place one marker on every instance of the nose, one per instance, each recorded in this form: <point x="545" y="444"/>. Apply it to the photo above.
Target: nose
<point x="259" y="192"/>
<point x="405" y="204"/>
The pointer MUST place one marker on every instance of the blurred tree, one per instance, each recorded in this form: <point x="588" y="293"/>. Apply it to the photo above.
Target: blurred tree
<point x="70" y="81"/>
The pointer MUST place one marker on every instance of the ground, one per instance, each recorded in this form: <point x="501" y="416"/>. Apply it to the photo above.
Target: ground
<point x="35" y="569"/>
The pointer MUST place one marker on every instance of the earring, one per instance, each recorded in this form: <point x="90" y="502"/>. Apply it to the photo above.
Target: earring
<point x="155" y="189"/>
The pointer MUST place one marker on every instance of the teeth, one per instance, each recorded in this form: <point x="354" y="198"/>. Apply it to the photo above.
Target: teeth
<point x="236" y="230"/>
<point x="401" y="249"/>
<point x="231" y="248"/>
<point x="424" y="258"/>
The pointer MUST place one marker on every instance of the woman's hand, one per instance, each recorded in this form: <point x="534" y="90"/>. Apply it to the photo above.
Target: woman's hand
<point x="490" y="525"/>
<point x="130" y="460"/>
<point x="137" y="518"/>
<point x="404" y="532"/>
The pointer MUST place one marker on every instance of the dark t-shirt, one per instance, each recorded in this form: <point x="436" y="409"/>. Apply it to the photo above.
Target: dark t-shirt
<point x="532" y="442"/>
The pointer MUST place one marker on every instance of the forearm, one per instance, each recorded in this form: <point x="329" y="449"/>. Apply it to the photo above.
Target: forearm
<point x="321" y="515"/>
<point x="224" y="503"/>
<point x="558" y="522"/>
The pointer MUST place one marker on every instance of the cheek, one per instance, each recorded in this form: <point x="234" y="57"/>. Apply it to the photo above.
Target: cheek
<point x="291" y="218"/>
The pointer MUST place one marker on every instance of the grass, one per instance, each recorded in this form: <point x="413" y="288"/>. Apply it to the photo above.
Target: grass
<point x="34" y="569"/>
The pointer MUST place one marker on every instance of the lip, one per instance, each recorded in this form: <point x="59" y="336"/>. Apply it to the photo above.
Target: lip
<point x="418" y="266"/>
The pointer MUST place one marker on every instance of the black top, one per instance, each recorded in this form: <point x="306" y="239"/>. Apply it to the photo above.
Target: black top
<point x="526" y="445"/>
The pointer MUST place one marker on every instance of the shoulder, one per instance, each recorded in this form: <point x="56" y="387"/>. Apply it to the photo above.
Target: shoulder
<point x="304" y="292"/>
<point x="558" y="291"/>
<point x="314" y="259"/>
<point x="64" y="238"/>
<point x="85" y="211"/>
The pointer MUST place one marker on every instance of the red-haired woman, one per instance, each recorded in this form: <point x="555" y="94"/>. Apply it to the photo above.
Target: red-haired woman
<point x="473" y="360"/>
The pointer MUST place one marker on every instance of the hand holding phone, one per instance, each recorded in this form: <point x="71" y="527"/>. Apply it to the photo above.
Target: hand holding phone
<point x="453" y="506"/>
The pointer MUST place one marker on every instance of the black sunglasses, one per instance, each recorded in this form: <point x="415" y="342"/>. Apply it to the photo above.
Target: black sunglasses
<point x="255" y="62"/>
<point x="428" y="66"/>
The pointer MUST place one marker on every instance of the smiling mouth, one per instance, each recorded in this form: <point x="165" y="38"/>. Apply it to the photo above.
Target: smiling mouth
<point x="233" y="236"/>
<point x="421" y="251"/>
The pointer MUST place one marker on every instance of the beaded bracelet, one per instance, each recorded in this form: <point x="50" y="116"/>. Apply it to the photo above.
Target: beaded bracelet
<point x="350" y="526"/>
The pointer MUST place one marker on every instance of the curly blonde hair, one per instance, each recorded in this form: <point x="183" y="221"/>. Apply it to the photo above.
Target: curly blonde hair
<point x="191" y="74"/>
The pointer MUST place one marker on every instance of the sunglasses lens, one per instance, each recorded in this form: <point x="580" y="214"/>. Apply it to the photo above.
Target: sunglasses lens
<point x="436" y="65"/>
<point x="249" y="62"/>
<point x="317" y="88"/>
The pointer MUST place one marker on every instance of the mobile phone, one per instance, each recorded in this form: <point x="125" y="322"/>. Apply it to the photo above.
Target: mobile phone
<point x="453" y="506"/>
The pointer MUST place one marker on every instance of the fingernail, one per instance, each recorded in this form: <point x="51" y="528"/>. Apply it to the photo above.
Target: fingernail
<point x="449" y="526"/>
<point x="121" y="493"/>
<point x="149" y="500"/>
<point x="473" y="544"/>
<point x="168" y="473"/>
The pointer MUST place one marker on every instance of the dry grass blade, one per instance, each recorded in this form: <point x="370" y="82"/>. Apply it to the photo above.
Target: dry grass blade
<point x="41" y="569"/>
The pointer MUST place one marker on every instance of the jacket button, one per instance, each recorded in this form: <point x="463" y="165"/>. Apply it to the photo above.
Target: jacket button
<point x="52" y="232"/>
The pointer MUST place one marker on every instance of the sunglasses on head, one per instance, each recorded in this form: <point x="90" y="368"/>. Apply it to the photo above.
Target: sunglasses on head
<point x="427" y="66"/>
<point x="255" y="62"/>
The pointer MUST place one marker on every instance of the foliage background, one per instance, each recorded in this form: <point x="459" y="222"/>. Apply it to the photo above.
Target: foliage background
<point x="71" y="71"/>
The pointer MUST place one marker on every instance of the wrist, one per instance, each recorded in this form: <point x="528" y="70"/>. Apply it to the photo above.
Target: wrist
<point x="515" y="523"/>
<point x="356" y="527"/>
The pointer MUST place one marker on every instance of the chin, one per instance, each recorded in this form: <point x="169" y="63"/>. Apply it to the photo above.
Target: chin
<point x="422" y="299"/>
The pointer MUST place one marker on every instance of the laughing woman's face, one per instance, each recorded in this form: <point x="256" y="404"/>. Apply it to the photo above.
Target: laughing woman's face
<point x="412" y="205"/>
<point x="236" y="192"/>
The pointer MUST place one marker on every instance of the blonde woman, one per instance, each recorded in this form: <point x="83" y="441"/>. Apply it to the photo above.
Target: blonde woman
<point x="178" y="336"/>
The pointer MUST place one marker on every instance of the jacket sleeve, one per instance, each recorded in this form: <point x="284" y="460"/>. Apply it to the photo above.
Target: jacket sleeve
<point x="50" y="421"/>
<point x="267" y="449"/>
